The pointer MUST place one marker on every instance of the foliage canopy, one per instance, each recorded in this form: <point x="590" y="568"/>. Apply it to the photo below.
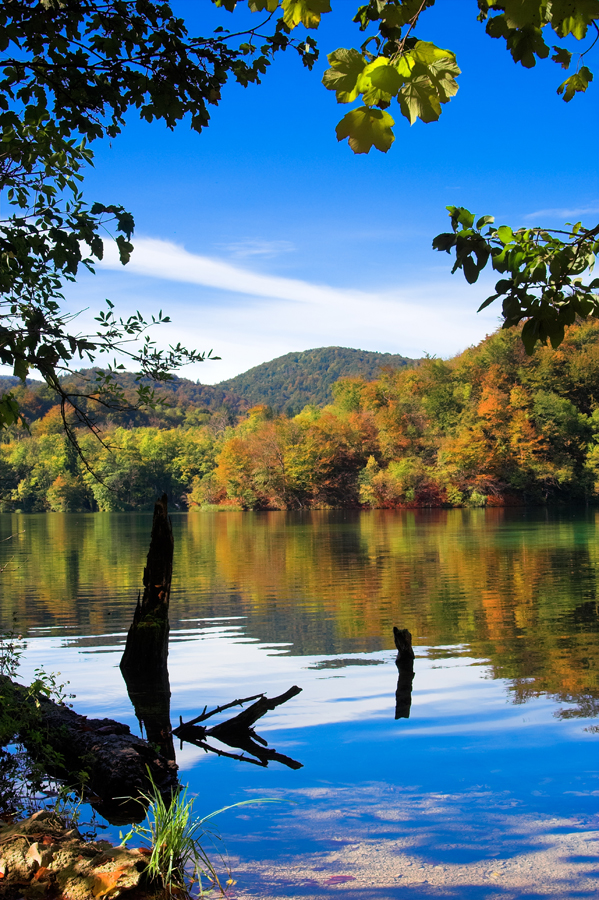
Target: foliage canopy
<point x="491" y="427"/>
<point x="70" y="72"/>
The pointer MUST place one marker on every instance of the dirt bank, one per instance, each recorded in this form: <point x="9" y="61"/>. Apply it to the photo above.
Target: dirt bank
<point x="42" y="857"/>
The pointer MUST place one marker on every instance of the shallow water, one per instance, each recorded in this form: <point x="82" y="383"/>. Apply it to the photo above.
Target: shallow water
<point x="502" y="605"/>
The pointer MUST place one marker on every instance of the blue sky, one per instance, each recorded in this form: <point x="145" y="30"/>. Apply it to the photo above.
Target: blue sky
<point x="264" y="235"/>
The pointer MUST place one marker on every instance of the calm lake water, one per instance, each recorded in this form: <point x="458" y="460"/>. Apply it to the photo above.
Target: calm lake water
<point x="503" y="732"/>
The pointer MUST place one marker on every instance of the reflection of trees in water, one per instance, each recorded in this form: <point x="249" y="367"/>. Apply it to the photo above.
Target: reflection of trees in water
<point x="517" y="587"/>
<point x="144" y="666"/>
<point x="587" y="706"/>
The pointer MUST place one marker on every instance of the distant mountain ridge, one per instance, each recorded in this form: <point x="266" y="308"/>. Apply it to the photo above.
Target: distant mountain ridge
<point x="287" y="383"/>
<point x="290" y="382"/>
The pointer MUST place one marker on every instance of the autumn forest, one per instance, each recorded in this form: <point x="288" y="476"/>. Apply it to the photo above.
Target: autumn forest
<point x="490" y="427"/>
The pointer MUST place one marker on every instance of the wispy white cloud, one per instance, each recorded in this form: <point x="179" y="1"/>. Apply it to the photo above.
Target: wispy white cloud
<point x="162" y="259"/>
<point x="250" y="317"/>
<point x="563" y="213"/>
<point x="249" y="248"/>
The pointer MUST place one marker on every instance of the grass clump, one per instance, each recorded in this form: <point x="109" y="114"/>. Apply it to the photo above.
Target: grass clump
<point x="178" y="860"/>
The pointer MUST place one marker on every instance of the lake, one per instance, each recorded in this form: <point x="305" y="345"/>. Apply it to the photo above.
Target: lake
<point x="489" y="788"/>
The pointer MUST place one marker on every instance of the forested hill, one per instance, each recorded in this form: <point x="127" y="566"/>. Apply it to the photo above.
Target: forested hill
<point x="286" y="384"/>
<point x="294" y="380"/>
<point x="491" y="427"/>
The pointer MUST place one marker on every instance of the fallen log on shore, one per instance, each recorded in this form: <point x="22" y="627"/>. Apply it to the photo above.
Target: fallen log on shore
<point x="113" y="762"/>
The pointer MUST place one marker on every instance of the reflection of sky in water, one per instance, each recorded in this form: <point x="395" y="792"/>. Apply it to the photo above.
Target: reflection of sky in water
<point x="465" y="741"/>
<point x="265" y="602"/>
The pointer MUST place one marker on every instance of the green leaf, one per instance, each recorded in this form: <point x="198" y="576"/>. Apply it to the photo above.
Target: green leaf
<point x="487" y="302"/>
<point x="442" y="74"/>
<point x="524" y="43"/>
<point x="557" y="333"/>
<point x="342" y="77"/>
<point x="461" y="216"/>
<point x="573" y="16"/>
<point x="9" y="411"/>
<point x="505" y="234"/>
<point x="388" y="79"/>
<point x="365" y="128"/>
<point x="444" y="242"/>
<point x="530" y="335"/>
<point x="562" y="56"/>
<point x="125" y="249"/>
<point x="304" y="12"/>
<point x="391" y="15"/>
<point x="418" y="99"/>
<point x="470" y="270"/>
<point x="20" y="368"/>
<point x="438" y="65"/>
<point x="362" y="17"/>
<point x="263" y="5"/>
<point x="577" y="83"/>
<point x="427" y="53"/>
<point x="523" y="13"/>
<point x="485" y="220"/>
<point x="371" y="93"/>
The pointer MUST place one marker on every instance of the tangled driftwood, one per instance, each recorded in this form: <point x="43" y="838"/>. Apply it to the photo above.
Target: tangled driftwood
<point x="239" y="732"/>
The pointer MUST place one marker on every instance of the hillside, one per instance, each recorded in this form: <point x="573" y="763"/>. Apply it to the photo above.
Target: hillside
<point x="491" y="427"/>
<point x="294" y="380"/>
<point x="287" y="384"/>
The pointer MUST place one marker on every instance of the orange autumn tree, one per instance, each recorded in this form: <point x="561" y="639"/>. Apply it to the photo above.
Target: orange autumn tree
<point x="272" y="462"/>
<point x="492" y="426"/>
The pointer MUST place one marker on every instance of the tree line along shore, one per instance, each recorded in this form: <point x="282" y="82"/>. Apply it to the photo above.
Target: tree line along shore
<point x="490" y="427"/>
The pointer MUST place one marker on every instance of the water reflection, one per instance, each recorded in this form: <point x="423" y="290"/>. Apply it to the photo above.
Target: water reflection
<point x="150" y="695"/>
<point x="518" y="588"/>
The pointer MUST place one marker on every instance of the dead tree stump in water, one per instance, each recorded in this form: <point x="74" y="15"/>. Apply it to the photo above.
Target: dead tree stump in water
<point x="146" y="650"/>
<point x="145" y="661"/>
<point x="405" y="666"/>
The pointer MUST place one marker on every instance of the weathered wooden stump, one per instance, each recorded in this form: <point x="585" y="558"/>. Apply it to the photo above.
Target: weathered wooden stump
<point x="146" y="650"/>
<point x="405" y="666"/>
<point x="144" y="664"/>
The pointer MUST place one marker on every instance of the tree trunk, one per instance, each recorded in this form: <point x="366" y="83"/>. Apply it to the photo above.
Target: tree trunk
<point x="115" y="761"/>
<point x="146" y="650"/>
<point x="405" y="666"/>
<point x="144" y="664"/>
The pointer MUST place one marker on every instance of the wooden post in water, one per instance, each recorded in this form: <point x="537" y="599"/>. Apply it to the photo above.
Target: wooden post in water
<point x="146" y="649"/>
<point x="144" y="664"/>
<point x="405" y="666"/>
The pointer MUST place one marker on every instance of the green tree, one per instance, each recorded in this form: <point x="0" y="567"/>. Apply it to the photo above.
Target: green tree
<point x="69" y="73"/>
<point x="545" y="272"/>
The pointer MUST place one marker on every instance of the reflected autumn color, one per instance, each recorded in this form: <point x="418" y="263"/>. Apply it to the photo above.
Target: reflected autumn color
<point x="515" y="587"/>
